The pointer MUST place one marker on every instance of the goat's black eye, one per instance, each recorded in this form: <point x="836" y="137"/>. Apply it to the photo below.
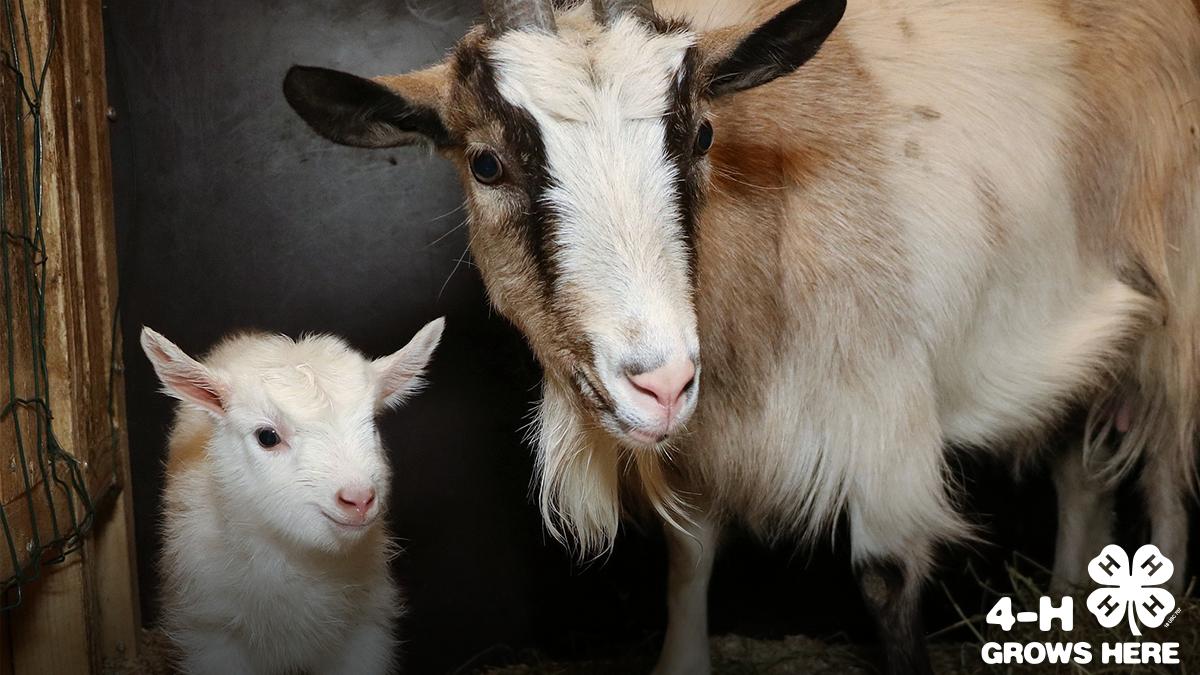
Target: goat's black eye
<point x="704" y="137"/>
<point x="486" y="167"/>
<point x="267" y="437"/>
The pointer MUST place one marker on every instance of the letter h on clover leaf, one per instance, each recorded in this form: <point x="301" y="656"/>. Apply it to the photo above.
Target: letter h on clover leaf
<point x="1129" y="590"/>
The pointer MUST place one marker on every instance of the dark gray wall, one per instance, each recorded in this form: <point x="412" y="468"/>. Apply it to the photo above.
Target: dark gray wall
<point x="232" y="214"/>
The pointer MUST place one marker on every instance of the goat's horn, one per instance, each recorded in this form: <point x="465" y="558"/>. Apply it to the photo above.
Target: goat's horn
<point x="607" y="11"/>
<point x="505" y="15"/>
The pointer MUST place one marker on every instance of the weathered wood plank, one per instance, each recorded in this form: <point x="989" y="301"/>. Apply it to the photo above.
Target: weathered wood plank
<point x="85" y="609"/>
<point x="50" y="629"/>
<point x="111" y="548"/>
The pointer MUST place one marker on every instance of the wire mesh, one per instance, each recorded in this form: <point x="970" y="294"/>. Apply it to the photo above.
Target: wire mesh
<point x="45" y="508"/>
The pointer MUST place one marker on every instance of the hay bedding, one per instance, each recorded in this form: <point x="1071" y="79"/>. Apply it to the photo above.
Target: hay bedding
<point x="732" y="655"/>
<point x="795" y="655"/>
<point x="737" y="655"/>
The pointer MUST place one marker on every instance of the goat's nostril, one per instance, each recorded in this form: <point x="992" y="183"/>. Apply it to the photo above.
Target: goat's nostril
<point x="666" y="384"/>
<point x="633" y="379"/>
<point x="688" y="387"/>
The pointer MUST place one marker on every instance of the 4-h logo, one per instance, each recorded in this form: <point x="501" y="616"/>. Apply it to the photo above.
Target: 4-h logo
<point x="1129" y="590"/>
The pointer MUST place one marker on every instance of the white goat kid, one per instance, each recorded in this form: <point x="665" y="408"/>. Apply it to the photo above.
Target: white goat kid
<point x="275" y="556"/>
<point x="873" y="230"/>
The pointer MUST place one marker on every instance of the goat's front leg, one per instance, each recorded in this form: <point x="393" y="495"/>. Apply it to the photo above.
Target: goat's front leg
<point x="899" y="510"/>
<point x="689" y="559"/>
<point x="1085" y="517"/>
<point x="891" y="587"/>
<point x="1164" y="484"/>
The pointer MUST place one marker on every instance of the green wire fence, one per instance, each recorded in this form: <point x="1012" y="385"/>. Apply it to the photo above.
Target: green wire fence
<point x="45" y="508"/>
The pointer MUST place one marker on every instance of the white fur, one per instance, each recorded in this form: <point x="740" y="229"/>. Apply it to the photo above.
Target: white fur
<point x="257" y="576"/>
<point x="599" y="99"/>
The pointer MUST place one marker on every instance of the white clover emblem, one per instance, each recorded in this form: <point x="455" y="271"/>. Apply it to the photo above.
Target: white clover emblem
<point x="1129" y="590"/>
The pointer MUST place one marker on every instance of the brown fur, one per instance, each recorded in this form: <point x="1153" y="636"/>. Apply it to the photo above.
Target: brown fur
<point x="993" y="208"/>
<point x="429" y="87"/>
<point x="188" y="443"/>
<point x="763" y="166"/>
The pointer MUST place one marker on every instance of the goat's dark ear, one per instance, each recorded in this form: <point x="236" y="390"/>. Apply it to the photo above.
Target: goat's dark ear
<point x="353" y="110"/>
<point x="777" y="47"/>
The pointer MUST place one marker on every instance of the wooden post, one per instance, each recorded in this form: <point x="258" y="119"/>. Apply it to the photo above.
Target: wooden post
<point x="83" y="610"/>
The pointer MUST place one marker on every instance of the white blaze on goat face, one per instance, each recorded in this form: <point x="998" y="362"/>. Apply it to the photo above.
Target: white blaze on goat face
<point x="601" y="101"/>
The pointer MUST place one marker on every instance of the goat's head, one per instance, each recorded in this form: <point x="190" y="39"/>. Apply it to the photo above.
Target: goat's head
<point x="581" y="138"/>
<point x="291" y="443"/>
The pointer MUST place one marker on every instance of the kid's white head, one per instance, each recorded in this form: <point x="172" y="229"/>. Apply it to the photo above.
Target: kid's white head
<point x="295" y="449"/>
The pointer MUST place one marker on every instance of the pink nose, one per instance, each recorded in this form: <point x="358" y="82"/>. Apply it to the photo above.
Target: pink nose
<point x="666" y="384"/>
<point x="356" y="501"/>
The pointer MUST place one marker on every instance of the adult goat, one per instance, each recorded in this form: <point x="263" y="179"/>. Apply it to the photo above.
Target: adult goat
<point x="941" y="224"/>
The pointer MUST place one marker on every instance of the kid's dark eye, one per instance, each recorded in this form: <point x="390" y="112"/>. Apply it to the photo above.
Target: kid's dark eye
<point x="704" y="137"/>
<point x="486" y="167"/>
<point x="267" y="437"/>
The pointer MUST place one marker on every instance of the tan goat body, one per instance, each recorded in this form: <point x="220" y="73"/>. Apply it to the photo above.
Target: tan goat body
<point x="777" y="259"/>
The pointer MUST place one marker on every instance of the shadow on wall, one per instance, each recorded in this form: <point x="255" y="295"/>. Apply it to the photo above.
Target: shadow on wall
<point x="232" y="214"/>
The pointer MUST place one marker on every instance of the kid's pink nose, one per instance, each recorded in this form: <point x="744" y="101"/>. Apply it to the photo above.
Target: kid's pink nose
<point x="666" y="384"/>
<point x="356" y="501"/>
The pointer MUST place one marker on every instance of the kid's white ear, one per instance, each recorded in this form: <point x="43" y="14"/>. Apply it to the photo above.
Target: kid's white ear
<point x="182" y="376"/>
<point x="400" y="374"/>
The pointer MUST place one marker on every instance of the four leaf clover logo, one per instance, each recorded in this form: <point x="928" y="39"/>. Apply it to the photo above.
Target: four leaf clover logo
<point x="1128" y="590"/>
